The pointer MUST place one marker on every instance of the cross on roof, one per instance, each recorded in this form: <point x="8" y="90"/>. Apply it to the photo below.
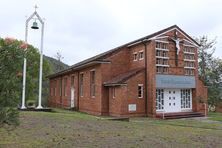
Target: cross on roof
<point x="36" y="7"/>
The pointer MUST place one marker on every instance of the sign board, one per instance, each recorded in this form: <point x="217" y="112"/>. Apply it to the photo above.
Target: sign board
<point x="132" y="107"/>
<point x="175" y="81"/>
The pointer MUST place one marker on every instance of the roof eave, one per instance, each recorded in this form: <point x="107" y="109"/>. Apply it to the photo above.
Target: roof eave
<point x="115" y="84"/>
<point x="77" y="68"/>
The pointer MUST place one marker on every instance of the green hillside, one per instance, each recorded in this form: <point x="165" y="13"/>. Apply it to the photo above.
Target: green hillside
<point x="56" y="65"/>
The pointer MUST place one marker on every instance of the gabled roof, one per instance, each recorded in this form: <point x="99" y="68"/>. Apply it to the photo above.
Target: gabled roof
<point x="100" y="58"/>
<point x="122" y="78"/>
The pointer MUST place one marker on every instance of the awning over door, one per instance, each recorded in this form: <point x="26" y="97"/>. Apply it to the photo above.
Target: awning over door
<point x="175" y="81"/>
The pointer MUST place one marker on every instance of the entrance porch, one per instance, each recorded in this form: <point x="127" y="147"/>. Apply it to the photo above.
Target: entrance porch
<point x="173" y="100"/>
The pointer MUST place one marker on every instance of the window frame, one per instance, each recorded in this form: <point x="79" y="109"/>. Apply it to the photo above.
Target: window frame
<point x="60" y="87"/>
<point x="54" y="88"/>
<point x="81" y="86"/>
<point x="141" y="53"/>
<point x="72" y="83"/>
<point x="140" y="88"/>
<point x="162" y="57"/>
<point x="135" y="56"/>
<point x="65" y="86"/>
<point x="93" y="83"/>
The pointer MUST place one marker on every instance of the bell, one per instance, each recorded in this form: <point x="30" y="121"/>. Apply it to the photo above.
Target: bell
<point x="35" y="25"/>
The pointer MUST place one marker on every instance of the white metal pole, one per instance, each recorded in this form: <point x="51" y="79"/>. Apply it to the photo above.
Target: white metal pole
<point x="40" y="70"/>
<point x="23" y="85"/>
<point x="24" y="69"/>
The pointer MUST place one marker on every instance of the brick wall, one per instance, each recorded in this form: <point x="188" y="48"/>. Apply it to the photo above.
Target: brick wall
<point x="88" y="103"/>
<point x="138" y="63"/>
<point x="132" y="95"/>
<point x="151" y="79"/>
<point x="116" y="103"/>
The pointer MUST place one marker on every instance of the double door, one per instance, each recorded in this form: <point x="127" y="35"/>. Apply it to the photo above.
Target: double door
<point x="172" y="100"/>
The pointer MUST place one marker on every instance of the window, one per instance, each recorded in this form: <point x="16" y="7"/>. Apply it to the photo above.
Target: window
<point x="189" y="60"/>
<point x="114" y="92"/>
<point x="51" y="91"/>
<point x="189" y="71"/>
<point x="164" y="54"/>
<point x="161" y="61"/>
<point x="92" y="83"/>
<point x="141" y="55"/>
<point x="189" y="64"/>
<point x="158" y="53"/>
<point x="54" y="88"/>
<point x="161" y="45"/>
<point x="161" y="54"/>
<point x="162" y="58"/>
<point x="60" y="87"/>
<point x="188" y="57"/>
<point x="72" y="82"/>
<point x="159" y="99"/>
<point x="81" y="85"/>
<point x="65" y="87"/>
<point x="160" y="69"/>
<point x="186" y="98"/>
<point x="135" y="56"/>
<point x="55" y="91"/>
<point x="140" y="90"/>
<point x="189" y="49"/>
<point x="60" y="90"/>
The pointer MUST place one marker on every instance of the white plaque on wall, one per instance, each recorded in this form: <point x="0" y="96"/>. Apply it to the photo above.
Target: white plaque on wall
<point x="132" y="107"/>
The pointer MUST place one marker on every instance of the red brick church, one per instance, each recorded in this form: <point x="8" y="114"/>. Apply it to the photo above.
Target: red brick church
<point x="150" y="76"/>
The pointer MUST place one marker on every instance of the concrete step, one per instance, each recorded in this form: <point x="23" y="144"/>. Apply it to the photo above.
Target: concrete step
<point x="180" y="115"/>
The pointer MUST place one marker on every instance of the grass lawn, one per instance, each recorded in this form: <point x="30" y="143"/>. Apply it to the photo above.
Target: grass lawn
<point x="73" y="129"/>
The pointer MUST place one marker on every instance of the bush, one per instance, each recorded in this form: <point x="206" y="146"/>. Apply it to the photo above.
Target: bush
<point x="31" y="103"/>
<point x="9" y="116"/>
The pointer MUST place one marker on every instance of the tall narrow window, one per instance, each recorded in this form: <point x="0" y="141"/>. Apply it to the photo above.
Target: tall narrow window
<point x="135" y="56"/>
<point x="81" y="85"/>
<point x="60" y="91"/>
<point x="114" y="92"/>
<point x="189" y="60"/>
<point x="162" y="57"/>
<point x="92" y="83"/>
<point x="140" y="90"/>
<point x="60" y="87"/>
<point x="141" y="55"/>
<point x="51" y="91"/>
<point x="65" y="87"/>
<point x="72" y="82"/>
<point x="159" y="99"/>
<point x="186" y="98"/>
<point x="55" y="88"/>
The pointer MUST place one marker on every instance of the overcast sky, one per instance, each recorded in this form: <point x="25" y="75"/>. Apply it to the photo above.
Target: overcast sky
<point x="80" y="29"/>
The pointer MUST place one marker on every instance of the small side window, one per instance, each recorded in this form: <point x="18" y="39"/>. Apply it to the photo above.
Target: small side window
<point x="135" y="57"/>
<point x="141" y="55"/>
<point x="140" y="90"/>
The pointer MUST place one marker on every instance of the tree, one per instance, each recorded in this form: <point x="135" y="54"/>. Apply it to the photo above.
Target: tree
<point x="11" y="65"/>
<point x="210" y="69"/>
<point x="59" y="57"/>
<point x="205" y="55"/>
<point x="214" y="81"/>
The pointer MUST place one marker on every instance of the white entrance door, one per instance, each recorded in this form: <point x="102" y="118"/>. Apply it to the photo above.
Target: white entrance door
<point x="172" y="100"/>
<point x="72" y="97"/>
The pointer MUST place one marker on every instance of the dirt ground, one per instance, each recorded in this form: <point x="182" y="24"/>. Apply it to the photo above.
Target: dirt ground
<point x="72" y="129"/>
